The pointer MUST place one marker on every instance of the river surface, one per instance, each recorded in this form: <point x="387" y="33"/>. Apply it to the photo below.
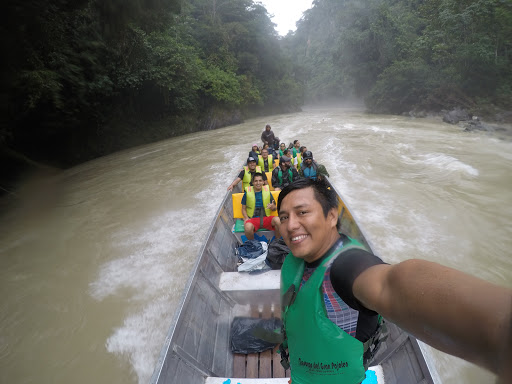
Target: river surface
<point x="93" y="261"/>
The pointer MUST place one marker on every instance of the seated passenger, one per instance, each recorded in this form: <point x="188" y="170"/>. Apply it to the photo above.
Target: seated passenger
<point x="257" y="205"/>
<point x="276" y="144"/>
<point x="271" y="151"/>
<point x="311" y="169"/>
<point x="284" y="174"/>
<point x="255" y="151"/>
<point x="282" y="148"/>
<point x="267" y="136"/>
<point x="247" y="174"/>
<point x="266" y="161"/>
<point x="293" y="160"/>
<point x="296" y="147"/>
<point x="301" y="151"/>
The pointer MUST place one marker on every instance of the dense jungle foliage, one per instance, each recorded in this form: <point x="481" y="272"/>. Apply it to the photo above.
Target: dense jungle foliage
<point x="403" y="55"/>
<point x="84" y="78"/>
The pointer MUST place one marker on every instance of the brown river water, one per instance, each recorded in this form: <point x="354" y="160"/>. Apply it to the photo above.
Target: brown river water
<point x="94" y="260"/>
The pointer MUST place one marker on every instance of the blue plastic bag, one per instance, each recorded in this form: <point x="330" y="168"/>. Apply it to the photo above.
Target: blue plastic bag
<point x="251" y="249"/>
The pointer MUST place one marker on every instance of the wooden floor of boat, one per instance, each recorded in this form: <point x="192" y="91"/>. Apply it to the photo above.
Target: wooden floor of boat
<point x="265" y="364"/>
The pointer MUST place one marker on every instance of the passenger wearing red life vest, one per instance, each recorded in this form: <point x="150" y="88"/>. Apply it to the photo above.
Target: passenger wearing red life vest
<point x="257" y="205"/>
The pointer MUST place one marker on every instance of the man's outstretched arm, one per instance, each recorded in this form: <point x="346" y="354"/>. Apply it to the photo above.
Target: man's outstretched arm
<point x="447" y="309"/>
<point x="237" y="180"/>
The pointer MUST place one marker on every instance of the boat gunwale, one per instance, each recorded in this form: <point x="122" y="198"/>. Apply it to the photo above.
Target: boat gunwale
<point x="354" y="216"/>
<point x="186" y="294"/>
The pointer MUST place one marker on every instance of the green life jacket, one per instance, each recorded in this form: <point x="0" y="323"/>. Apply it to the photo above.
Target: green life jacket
<point x="246" y="181"/>
<point x="250" y="200"/>
<point x="280" y="175"/>
<point x="261" y="163"/>
<point x="320" y="351"/>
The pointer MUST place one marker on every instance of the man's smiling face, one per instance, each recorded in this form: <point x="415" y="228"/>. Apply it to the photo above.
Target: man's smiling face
<point x="305" y="229"/>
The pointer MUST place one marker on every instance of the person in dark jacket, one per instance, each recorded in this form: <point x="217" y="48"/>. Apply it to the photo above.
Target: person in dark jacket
<point x="284" y="174"/>
<point x="310" y="169"/>
<point x="255" y="151"/>
<point x="267" y="136"/>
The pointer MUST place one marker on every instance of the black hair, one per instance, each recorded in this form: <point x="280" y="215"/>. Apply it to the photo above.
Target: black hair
<point x="295" y="141"/>
<point x="323" y="193"/>
<point x="257" y="174"/>
<point x="286" y="151"/>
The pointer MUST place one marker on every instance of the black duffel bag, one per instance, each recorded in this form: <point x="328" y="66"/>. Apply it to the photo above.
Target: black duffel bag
<point x="276" y="253"/>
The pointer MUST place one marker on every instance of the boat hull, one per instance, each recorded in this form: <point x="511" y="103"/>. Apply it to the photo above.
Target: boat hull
<point x="197" y="347"/>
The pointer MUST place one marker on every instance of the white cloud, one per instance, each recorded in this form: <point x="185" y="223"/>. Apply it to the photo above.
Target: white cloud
<point x="286" y="13"/>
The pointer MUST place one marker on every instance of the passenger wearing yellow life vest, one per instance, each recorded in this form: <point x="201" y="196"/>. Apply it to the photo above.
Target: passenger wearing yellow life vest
<point x="247" y="173"/>
<point x="265" y="161"/>
<point x="257" y="205"/>
<point x="302" y="149"/>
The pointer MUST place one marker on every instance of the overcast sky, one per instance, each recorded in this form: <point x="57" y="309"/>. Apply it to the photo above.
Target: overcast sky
<point x="286" y="12"/>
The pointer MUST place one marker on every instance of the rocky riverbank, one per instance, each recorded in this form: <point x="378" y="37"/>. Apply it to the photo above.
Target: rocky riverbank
<point x="499" y="125"/>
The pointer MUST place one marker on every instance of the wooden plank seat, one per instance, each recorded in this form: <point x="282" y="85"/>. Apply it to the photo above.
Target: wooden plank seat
<point x="265" y="364"/>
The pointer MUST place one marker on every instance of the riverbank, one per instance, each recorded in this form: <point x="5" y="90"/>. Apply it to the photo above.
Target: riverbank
<point x="498" y="125"/>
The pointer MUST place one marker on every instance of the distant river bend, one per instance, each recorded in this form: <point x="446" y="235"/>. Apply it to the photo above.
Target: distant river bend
<point x="94" y="261"/>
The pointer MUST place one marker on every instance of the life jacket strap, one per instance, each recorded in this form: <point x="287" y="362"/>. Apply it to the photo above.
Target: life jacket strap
<point x="285" y="357"/>
<point x="288" y="297"/>
<point x="372" y="345"/>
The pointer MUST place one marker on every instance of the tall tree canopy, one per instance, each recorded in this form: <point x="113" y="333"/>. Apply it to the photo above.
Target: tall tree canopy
<point x="406" y="54"/>
<point x="84" y="78"/>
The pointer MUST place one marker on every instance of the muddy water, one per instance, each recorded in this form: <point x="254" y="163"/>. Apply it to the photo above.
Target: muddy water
<point x="93" y="262"/>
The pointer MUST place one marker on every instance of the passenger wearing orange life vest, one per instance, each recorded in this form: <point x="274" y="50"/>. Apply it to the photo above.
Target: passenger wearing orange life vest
<point x="257" y="205"/>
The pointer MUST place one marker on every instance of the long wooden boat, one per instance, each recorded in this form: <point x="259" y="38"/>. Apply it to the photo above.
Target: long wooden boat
<point x="197" y="347"/>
